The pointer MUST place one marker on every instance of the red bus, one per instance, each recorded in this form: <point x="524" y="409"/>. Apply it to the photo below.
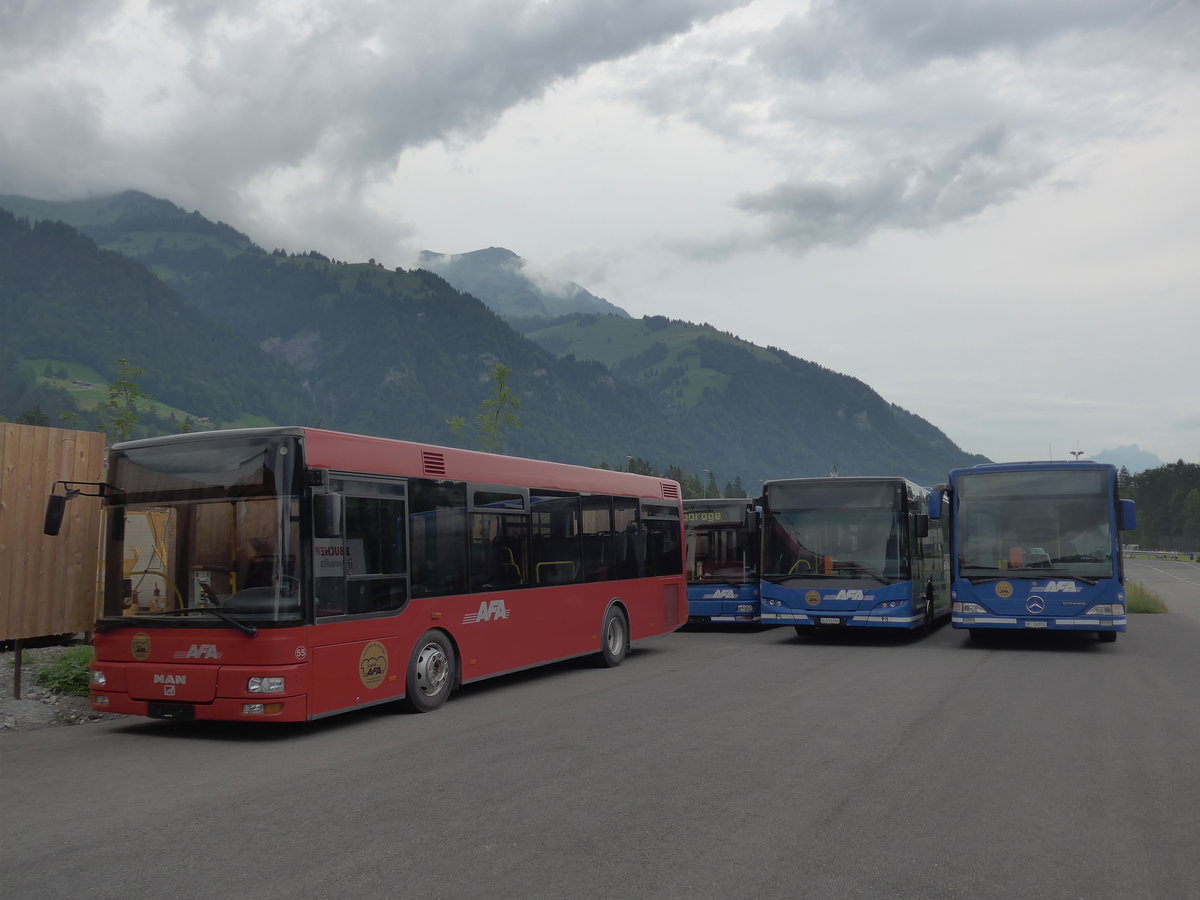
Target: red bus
<point x="287" y="574"/>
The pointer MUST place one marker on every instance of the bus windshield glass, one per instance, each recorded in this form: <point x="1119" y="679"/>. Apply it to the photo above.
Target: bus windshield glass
<point x="718" y="543"/>
<point x="1035" y="523"/>
<point x="205" y="533"/>
<point x="834" y="529"/>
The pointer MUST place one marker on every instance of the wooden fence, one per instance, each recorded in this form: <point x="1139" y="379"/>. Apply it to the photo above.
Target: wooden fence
<point x="47" y="584"/>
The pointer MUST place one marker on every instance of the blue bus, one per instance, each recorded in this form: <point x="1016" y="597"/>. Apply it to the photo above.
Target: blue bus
<point x="1036" y="545"/>
<point x="722" y="560"/>
<point x="851" y="552"/>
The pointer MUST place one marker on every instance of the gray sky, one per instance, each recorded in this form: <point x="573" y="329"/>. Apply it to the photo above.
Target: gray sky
<point x="988" y="210"/>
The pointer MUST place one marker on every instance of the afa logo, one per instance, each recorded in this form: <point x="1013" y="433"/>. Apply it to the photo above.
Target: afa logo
<point x="199" y="651"/>
<point x="845" y="594"/>
<point x="1059" y="587"/>
<point x="373" y="665"/>
<point x="723" y="594"/>
<point x="488" y="610"/>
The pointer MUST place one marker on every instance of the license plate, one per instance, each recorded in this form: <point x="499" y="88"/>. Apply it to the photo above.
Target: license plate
<point x="1035" y="624"/>
<point x="184" y="712"/>
<point x="829" y="620"/>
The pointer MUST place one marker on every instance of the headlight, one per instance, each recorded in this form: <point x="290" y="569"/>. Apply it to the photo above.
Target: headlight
<point x="961" y="606"/>
<point x="1106" y="609"/>
<point x="97" y="678"/>
<point x="273" y="685"/>
<point x="262" y="709"/>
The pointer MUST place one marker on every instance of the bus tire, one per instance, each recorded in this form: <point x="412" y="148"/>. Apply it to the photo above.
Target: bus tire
<point x="927" y="626"/>
<point x="430" y="672"/>
<point x="1107" y="637"/>
<point x="614" y="637"/>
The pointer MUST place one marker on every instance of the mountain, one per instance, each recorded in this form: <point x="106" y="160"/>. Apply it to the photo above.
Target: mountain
<point x="64" y="299"/>
<point x="793" y="416"/>
<point x="1132" y="457"/>
<point x="513" y="288"/>
<point x="398" y="353"/>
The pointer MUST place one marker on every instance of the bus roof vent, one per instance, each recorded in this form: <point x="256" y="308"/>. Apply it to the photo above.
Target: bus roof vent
<point x="433" y="464"/>
<point x="670" y="490"/>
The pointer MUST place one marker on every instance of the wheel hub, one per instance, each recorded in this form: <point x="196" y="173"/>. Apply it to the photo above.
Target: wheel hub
<point x="432" y="669"/>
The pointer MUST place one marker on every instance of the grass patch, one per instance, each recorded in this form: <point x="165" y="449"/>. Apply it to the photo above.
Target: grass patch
<point x="66" y="673"/>
<point x="1139" y="599"/>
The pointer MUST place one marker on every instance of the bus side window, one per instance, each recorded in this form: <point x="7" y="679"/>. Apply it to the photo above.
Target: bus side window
<point x="376" y="576"/>
<point x="438" y="525"/>
<point x="557" y="544"/>
<point x="598" y="548"/>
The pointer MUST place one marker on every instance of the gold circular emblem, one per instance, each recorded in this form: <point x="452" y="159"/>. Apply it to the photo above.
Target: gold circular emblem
<point x="1003" y="590"/>
<point x="373" y="664"/>
<point x="812" y="598"/>
<point x="139" y="645"/>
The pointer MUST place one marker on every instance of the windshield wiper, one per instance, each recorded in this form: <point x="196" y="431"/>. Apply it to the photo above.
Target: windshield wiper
<point x="852" y="568"/>
<point x="1026" y="575"/>
<point x="243" y="627"/>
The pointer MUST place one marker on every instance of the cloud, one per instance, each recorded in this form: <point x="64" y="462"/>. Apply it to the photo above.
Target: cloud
<point x="909" y="115"/>
<point x="226" y="104"/>
<point x="910" y="194"/>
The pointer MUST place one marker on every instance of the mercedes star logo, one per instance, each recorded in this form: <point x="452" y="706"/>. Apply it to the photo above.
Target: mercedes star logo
<point x="1035" y="605"/>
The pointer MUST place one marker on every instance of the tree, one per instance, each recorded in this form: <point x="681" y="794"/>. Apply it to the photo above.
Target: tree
<point x="1191" y="518"/>
<point x="710" y="487"/>
<point x="638" y="466"/>
<point x="496" y="412"/>
<point x="124" y="395"/>
<point x="33" y="416"/>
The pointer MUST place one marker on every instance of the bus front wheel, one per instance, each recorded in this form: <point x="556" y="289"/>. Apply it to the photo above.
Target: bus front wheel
<point x="430" y="672"/>
<point x="614" y="638"/>
<point x="1107" y="637"/>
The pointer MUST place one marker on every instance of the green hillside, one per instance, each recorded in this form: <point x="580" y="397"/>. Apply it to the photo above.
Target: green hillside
<point x="72" y="310"/>
<point x="229" y="331"/>
<point x="793" y="416"/>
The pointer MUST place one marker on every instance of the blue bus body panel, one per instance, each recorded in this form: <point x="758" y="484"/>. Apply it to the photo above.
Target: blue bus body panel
<point x="1053" y="601"/>
<point x="877" y="606"/>
<point x="724" y="602"/>
<point x="1050" y="603"/>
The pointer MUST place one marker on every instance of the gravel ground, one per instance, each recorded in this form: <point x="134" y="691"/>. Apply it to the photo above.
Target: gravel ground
<point x="38" y="707"/>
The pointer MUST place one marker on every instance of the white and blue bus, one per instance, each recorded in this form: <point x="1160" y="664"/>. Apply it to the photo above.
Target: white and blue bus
<point x="722" y="560"/>
<point x="851" y="552"/>
<point x="1036" y="545"/>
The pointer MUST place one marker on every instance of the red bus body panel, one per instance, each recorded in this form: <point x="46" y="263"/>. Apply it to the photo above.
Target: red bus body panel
<point x="342" y="664"/>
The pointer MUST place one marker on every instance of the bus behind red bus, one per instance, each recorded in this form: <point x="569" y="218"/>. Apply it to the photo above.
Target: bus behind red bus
<point x="286" y="574"/>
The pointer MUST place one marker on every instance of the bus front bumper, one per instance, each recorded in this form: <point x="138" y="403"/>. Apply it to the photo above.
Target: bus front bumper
<point x="1079" y="623"/>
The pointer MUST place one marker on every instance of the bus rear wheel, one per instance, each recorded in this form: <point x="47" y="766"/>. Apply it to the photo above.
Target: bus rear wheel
<point x="614" y="638"/>
<point x="430" y="672"/>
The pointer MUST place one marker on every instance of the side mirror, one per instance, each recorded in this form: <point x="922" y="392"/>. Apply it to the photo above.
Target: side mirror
<point x="1128" y="514"/>
<point x="922" y="523"/>
<point x="936" y="497"/>
<point x="327" y="515"/>
<point x="751" y="519"/>
<point x="56" y="505"/>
